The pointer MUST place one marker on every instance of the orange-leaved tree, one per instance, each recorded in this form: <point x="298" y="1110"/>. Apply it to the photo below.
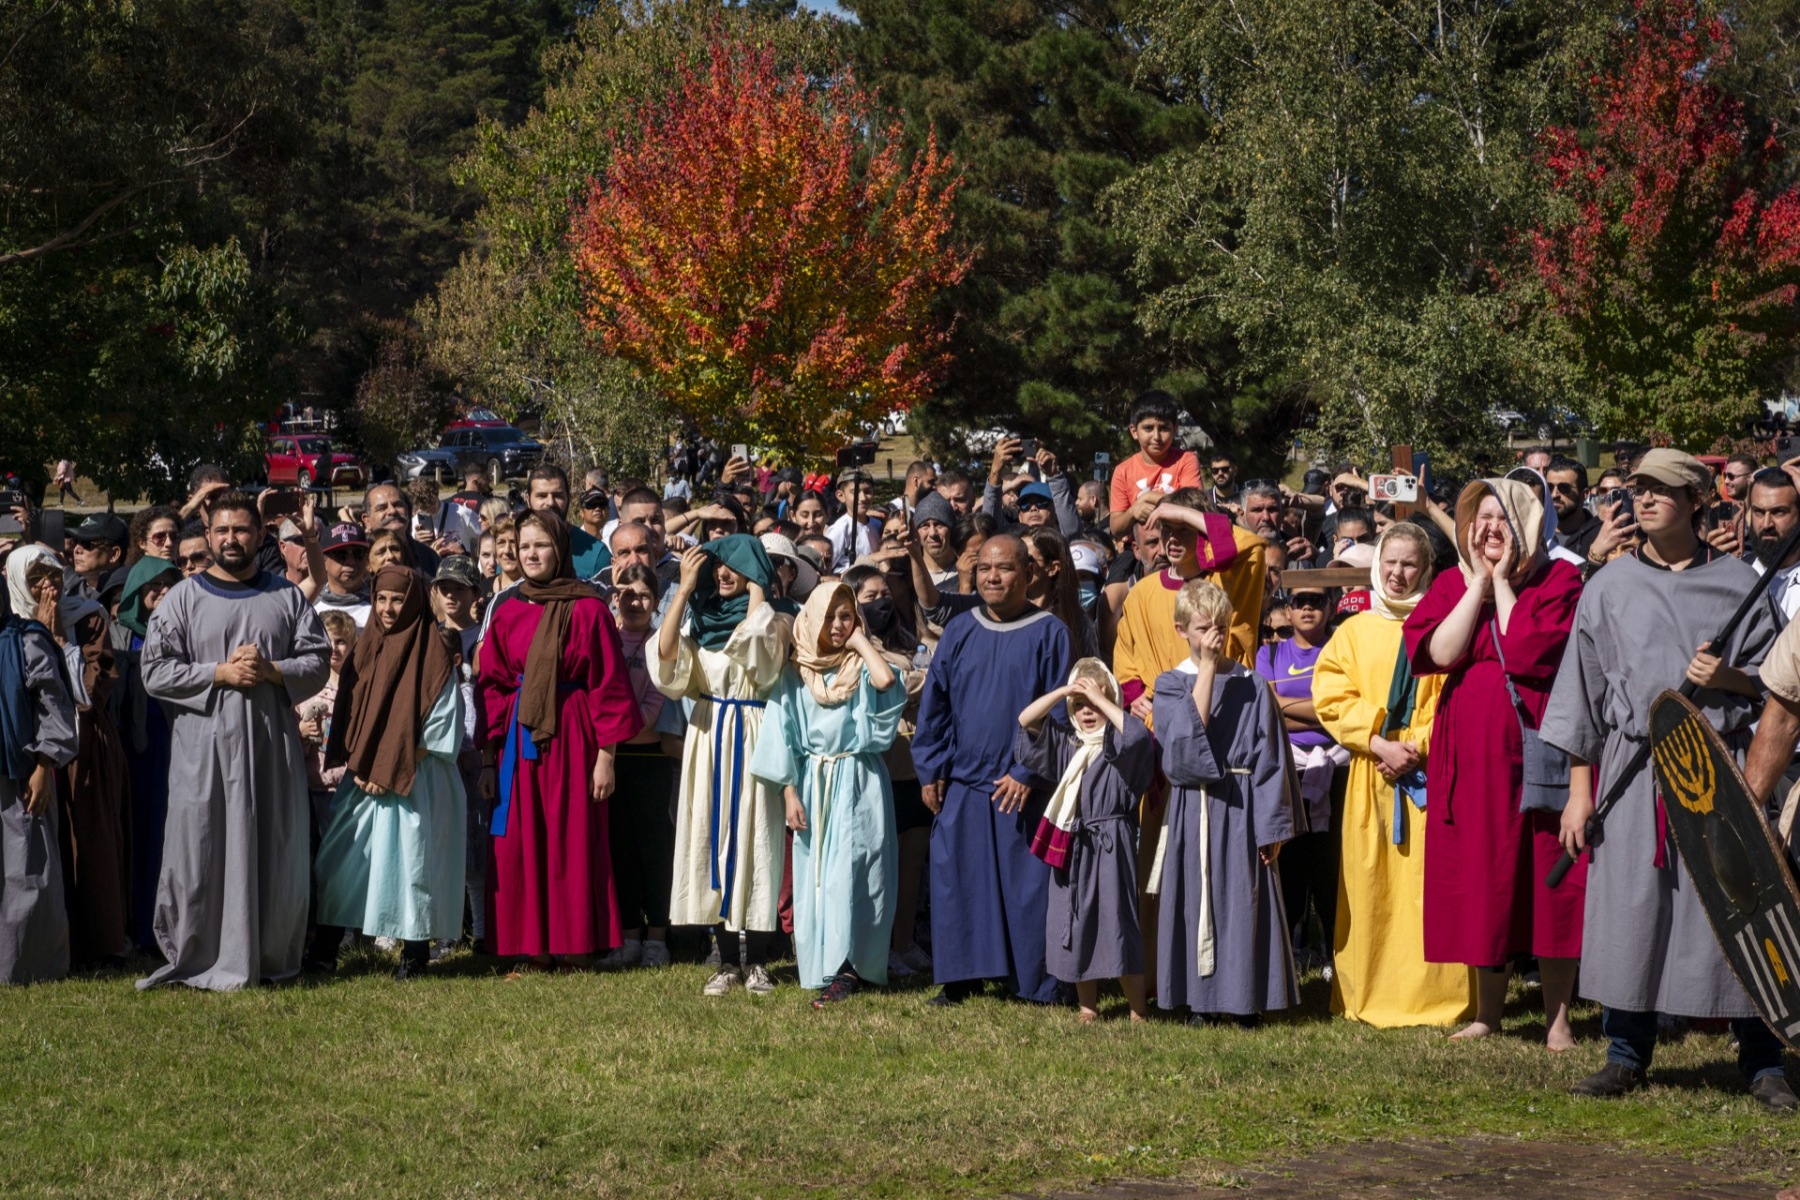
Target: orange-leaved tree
<point x="762" y="252"/>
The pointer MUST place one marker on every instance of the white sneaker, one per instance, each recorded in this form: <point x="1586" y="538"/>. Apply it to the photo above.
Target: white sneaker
<point x="897" y="966"/>
<point x="916" y="958"/>
<point x="757" y="981"/>
<point x="626" y="954"/>
<point x="387" y="944"/>
<point x="656" y="954"/>
<point x="723" y="982"/>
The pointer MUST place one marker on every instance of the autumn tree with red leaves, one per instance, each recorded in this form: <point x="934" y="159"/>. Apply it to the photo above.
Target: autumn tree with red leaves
<point x="1672" y="271"/>
<point x="760" y="252"/>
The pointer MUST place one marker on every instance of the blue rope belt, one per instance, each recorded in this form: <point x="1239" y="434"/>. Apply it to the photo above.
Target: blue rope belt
<point x="724" y="706"/>
<point x="1410" y="786"/>
<point x="519" y="745"/>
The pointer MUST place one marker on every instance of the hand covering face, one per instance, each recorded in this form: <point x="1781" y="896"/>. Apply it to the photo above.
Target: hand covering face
<point x="1524" y="513"/>
<point x="712" y="618"/>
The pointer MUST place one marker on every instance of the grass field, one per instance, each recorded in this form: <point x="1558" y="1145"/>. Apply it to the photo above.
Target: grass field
<point x="466" y="1084"/>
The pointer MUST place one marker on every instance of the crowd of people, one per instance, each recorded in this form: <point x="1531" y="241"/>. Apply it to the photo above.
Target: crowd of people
<point x="1030" y="734"/>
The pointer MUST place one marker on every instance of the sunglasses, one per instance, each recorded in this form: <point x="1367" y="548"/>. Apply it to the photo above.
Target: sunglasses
<point x="350" y="553"/>
<point x="164" y="536"/>
<point x="1282" y="631"/>
<point x="1223" y="470"/>
<point x="1251" y="485"/>
<point x="196" y="560"/>
<point x="1033" y="502"/>
<point x="1307" y="600"/>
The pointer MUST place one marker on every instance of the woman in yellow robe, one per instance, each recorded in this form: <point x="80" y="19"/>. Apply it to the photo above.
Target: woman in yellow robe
<point x="1381" y="976"/>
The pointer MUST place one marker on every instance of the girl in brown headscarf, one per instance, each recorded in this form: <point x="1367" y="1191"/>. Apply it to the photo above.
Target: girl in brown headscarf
<point x="391" y="859"/>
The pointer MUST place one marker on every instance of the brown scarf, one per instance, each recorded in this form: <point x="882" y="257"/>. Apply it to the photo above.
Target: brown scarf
<point x="388" y="687"/>
<point x="537" y="694"/>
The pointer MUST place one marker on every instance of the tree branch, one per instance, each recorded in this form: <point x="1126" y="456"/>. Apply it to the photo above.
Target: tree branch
<point x="73" y="238"/>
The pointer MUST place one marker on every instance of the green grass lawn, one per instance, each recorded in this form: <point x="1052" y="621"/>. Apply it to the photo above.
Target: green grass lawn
<point x="466" y="1084"/>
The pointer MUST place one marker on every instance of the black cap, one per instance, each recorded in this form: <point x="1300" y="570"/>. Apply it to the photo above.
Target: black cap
<point x="594" y="498"/>
<point x="101" y="527"/>
<point x="344" y="533"/>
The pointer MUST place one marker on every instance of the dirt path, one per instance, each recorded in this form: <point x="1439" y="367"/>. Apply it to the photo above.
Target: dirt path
<point x="1462" y="1170"/>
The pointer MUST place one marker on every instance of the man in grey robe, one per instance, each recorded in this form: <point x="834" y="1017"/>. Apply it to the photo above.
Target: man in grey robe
<point x="37" y="709"/>
<point x="1647" y="947"/>
<point x="229" y="652"/>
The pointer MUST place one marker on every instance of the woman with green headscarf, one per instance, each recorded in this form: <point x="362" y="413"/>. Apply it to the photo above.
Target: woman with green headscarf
<point x="723" y="644"/>
<point x="144" y="728"/>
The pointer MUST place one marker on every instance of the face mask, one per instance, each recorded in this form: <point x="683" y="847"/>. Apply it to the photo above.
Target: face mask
<point x="1089" y="591"/>
<point x="877" y="616"/>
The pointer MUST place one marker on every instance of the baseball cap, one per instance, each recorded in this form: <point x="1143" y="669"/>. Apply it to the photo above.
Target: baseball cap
<point x="593" y="498"/>
<point x="1674" y="468"/>
<point x="1035" y="491"/>
<point x="101" y="527"/>
<point x="458" y="568"/>
<point x="344" y="533"/>
<point x="1087" y="559"/>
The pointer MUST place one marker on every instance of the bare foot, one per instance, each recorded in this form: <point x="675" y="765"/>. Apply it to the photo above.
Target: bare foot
<point x="1138" y="1018"/>
<point x="1474" y="1029"/>
<point x="1559" y="1039"/>
<point x="1087" y="1016"/>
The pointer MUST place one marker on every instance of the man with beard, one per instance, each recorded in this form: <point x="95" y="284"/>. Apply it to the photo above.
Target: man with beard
<point x="1576" y="527"/>
<point x="957" y="490"/>
<point x="229" y="653"/>
<point x="1771" y="510"/>
<point x="935" y="522"/>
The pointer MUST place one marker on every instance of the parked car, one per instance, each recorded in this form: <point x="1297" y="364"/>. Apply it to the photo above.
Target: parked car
<point x="293" y="461"/>
<point x="477" y="417"/>
<point x="502" y="451"/>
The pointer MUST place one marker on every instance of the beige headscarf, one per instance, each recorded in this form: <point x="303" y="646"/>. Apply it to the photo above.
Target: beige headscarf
<point x="1398" y="608"/>
<point x="1524" y="512"/>
<point x="814" y="659"/>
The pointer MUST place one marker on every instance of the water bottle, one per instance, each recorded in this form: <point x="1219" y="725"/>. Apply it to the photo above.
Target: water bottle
<point x="921" y="659"/>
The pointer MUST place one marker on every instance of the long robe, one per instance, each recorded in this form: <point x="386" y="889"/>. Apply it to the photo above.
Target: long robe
<point x="1091" y="923"/>
<point x="1147" y="644"/>
<point x="144" y="728"/>
<point x="549" y="887"/>
<point x="846" y="866"/>
<point x="1380" y="976"/>
<point x="390" y="865"/>
<point x="989" y="892"/>
<point x="1485" y="899"/>
<point x="97" y="826"/>
<point x="34" y="920"/>
<point x="231" y="901"/>
<point x="1647" y="945"/>
<point x="730" y="831"/>
<point x="1236" y="766"/>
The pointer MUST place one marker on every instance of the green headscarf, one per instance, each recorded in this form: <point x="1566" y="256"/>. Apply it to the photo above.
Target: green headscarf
<point x="144" y="572"/>
<point x="713" y="618"/>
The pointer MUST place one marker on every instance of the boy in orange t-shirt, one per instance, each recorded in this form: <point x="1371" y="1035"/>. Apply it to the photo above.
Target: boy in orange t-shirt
<point x="1159" y="468"/>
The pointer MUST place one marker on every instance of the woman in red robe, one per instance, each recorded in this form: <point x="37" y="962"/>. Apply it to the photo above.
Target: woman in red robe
<point x="555" y="700"/>
<point x="1485" y="899"/>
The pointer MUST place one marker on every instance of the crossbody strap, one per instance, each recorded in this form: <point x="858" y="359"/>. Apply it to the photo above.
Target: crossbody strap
<point x="1518" y="701"/>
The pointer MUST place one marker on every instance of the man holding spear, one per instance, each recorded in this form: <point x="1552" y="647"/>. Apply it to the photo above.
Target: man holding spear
<point x="1647" y="945"/>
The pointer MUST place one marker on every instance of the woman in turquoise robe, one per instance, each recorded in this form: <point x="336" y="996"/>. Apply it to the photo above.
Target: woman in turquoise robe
<point x="391" y="861"/>
<point x="834" y="712"/>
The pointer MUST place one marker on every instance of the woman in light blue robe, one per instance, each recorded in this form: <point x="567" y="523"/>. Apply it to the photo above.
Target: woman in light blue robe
<point x="391" y="862"/>
<point x="831" y="717"/>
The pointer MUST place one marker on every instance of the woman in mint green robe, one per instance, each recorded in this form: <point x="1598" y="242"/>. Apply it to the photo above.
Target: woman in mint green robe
<point x="823" y="734"/>
<point x="392" y="865"/>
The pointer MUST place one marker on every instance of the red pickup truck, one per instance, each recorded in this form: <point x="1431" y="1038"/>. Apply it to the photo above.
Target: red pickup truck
<point x="294" y="462"/>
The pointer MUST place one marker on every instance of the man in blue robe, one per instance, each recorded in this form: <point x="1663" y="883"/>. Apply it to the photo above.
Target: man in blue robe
<point x="988" y="891"/>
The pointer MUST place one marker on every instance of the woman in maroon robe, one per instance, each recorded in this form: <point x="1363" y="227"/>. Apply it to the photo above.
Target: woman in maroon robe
<point x="555" y="701"/>
<point x="1485" y="899"/>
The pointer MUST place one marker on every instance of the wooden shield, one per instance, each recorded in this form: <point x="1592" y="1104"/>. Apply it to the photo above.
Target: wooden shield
<point x="1738" y="869"/>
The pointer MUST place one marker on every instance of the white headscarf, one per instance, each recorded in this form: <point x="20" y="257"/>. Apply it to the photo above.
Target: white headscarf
<point x="1057" y="826"/>
<point x="1397" y="608"/>
<point x="18" y="587"/>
